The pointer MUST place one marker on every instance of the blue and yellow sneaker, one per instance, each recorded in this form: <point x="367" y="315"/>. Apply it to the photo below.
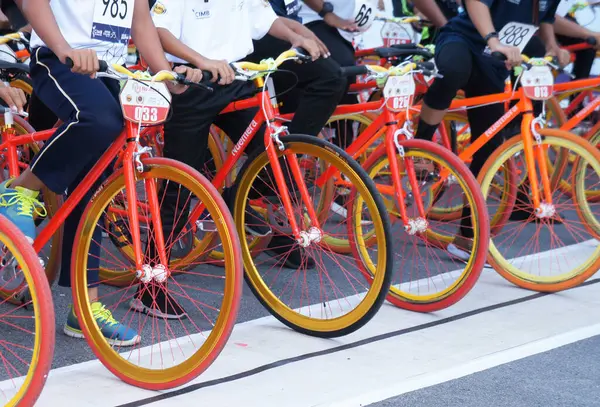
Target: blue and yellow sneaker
<point x="18" y="205"/>
<point x="114" y="332"/>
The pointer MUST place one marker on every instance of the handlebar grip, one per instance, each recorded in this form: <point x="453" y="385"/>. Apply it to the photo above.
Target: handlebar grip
<point x="206" y="76"/>
<point x="355" y="70"/>
<point x="591" y="40"/>
<point x="428" y="66"/>
<point x="182" y="80"/>
<point x="303" y="54"/>
<point x="103" y="64"/>
<point x="410" y="45"/>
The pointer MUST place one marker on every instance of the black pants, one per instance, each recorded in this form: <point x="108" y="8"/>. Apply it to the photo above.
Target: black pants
<point x="469" y="76"/>
<point x="319" y="89"/>
<point x="342" y="52"/>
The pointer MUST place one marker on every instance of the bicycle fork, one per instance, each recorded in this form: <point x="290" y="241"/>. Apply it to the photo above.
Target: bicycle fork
<point x="417" y="224"/>
<point x="304" y="237"/>
<point x="537" y="153"/>
<point x="131" y="165"/>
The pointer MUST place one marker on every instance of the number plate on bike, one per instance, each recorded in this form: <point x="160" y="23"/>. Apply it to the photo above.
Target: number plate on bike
<point x="399" y="92"/>
<point x="145" y="102"/>
<point x="538" y="83"/>
<point x="393" y="33"/>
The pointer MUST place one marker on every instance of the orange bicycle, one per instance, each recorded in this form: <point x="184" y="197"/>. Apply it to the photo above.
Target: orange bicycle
<point x="126" y="210"/>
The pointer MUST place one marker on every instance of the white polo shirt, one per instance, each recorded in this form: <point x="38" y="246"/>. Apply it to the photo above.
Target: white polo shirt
<point x="92" y="24"/>
<point x="216" y="29"/>
<point x="342" y="8"/>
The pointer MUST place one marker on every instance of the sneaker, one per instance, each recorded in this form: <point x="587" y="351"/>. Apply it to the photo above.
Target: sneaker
<point x="19" y="205"/>
<point x="114" y="332"/>
<point x="294" y="258"/>
<point x="157" y="303"/>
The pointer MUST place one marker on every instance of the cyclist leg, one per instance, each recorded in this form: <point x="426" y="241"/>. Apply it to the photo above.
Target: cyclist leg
<point x="40" y="116"/>
<point x="342" y="52"/>
<point x="62" y="162"/>
<point x="454" y="61"/>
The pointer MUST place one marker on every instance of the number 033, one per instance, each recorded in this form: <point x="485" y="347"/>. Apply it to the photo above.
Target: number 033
<point x="146" y="114"/>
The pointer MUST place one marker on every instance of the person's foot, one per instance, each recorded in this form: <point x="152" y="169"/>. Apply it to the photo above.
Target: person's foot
<point x="284" y="249"/>
<point x="114" y="332"/>
<point x="19" y="205"/>
<point x="461" y="248"/>
<point x="156" y="302"/>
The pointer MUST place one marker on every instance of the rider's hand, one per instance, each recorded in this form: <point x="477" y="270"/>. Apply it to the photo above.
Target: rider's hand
<point x="562" y="55"/>
<point x="220" y="70"/>
<point x="312" y="47"/>
<point x="85" y="61"/>
<point x="13" y="97"/>
<point x="335" y="21"/>
<point x="192" y="75"/>
<point x="513" y="54"/>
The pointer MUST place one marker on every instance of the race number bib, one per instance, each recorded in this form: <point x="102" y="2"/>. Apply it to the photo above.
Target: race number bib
<point x="112" y="20"/>
<point x="538" y="83"/>
<point x="393" y="34"/>
<point x="399" y="92"/>
<point x="292" y="7"/>
<point x="516" y="34"/>
<point x="145" y="102"/>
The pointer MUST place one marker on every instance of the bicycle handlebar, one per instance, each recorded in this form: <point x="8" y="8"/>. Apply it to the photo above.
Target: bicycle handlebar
<point x="426" y="67"/>
<point x="501" y="57"/>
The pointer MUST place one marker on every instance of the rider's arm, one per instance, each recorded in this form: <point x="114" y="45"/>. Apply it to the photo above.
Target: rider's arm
<point x="146" y="37"/>
<point x="173" y="46"/>
<point x="479" y="12"/>
<point x="430" y="9"/>
<point x="301" y="30"/>
<point x="40" y="16"/>
<point x="568" y="28"/>
<point x="546" y="34"/>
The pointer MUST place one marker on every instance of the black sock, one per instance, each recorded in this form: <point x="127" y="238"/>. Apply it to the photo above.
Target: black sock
<point x="425" y="131"/>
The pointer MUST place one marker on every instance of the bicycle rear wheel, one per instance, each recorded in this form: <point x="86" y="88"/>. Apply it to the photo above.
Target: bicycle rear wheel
<point x="336" y="297"/>
<point x="174" y="347"/>
<point x="27" y="340"/>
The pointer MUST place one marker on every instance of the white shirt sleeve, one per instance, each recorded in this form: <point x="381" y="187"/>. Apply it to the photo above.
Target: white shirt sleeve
<point x="261" y="16"/>
<point x="168" y="14"/>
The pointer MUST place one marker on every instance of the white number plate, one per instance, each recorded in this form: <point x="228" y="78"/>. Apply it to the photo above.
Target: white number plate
<point x="516" y="34"/>
<point x="399" y="92"/>
<point x="112" y="20"/>
<point x="145" y="102"/>
<point x="393" y="34"/>
<point x="538" y="83"/>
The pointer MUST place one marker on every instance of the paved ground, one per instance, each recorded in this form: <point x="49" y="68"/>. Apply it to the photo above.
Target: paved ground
<point x="566" y="376"/>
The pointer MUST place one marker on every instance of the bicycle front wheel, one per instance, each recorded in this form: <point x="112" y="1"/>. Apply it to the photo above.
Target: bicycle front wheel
<point x="313" y="288"/>
<point x="554" y="247"/>
<point x="428" y="274"/>
<point x="179" y="320"/>
<point x="27" y="339"/>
